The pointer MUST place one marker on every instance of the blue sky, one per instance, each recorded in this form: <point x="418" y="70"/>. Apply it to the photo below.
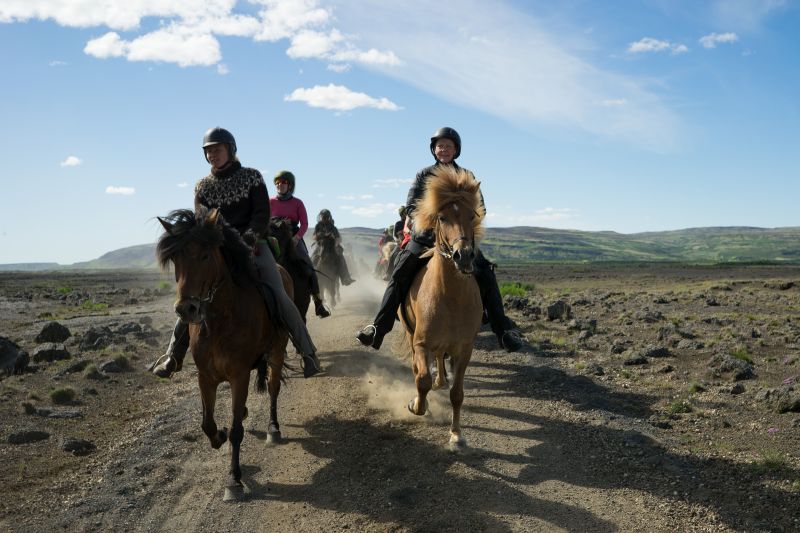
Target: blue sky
<point x="622" y="116"/>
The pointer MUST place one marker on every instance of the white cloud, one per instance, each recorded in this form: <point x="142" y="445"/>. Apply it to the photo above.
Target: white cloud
<point x="371" y="210"/>
<point x="649" y="44"/>
<point x="71" y="161"/>
<point x="57" y="63"/>
<point x="183" y="185"/>
<point x="555" y="216"/>
<point x="711" y="40"/>
<point x="222" y="69"/>
<point x="391" y="183"/>
<point x="339" y="98"/>
<point x="125" y="191"/>
<point x="338" y="67"/>
<point x="520" y="69"/>
<point x="188" y="29"/>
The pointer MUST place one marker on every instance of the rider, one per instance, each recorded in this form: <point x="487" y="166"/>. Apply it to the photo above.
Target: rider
<point x="445" y="147"/>
<point x="326" y="229"/>
<point x="286" y="205"/>
<point x="241" y="196"/>
<point x="400" y="225"/>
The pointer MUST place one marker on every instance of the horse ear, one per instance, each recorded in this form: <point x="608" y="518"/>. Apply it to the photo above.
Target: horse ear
<point x="167" y="226"/>
<point x="213" y="217"/>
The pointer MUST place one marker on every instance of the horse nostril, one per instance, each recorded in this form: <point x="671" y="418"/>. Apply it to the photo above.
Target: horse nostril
<point x="457" y="255"/>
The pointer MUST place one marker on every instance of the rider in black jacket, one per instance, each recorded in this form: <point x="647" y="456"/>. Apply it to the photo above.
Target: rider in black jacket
<point x="445" y="148"/>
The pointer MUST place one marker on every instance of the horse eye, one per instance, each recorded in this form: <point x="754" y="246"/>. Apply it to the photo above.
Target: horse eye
<point x="442" y="219"/>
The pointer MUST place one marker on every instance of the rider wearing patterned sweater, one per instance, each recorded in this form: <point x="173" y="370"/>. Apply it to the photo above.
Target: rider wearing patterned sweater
<point x="241" y="196"/>
<point x="285" y="205"/>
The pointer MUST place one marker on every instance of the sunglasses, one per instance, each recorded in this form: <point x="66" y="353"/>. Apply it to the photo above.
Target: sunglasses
<point x="278" y="182"/>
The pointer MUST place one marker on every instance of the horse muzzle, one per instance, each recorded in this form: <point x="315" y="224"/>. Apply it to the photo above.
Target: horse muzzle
<point x="464" y="258"/>
<point x="190" y="310"/>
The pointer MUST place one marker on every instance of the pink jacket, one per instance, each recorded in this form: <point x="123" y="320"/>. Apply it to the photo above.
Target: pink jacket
<point x="293" y="209"/>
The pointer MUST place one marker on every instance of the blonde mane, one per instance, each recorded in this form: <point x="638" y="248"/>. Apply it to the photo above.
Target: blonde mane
<point x="450" y="185"/>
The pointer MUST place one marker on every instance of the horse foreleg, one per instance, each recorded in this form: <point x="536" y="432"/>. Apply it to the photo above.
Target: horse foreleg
<point x="239" y="385"/>
<point x="208" y="394"/>
<point x="422" y="377"/>
<point x="274" y="385"/>
<point x="457" y="441"/>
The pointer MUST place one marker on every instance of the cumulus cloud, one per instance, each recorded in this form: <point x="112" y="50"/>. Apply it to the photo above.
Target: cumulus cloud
<point x="711" y="40"/>
<point x="183" y="185"/>
<point x="339" y="98"/>
<point x="350" y="197"/>
<point x="57" y="63"/>
<point x="125" y="191"/>
<point x="649" y="44"/>
<point x="71" y="161"/>
<point x="188" y="29"/>
<point x="556" y="216"/>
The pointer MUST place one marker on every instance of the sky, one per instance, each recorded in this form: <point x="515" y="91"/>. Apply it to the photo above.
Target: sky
<point x="603" y="116"/>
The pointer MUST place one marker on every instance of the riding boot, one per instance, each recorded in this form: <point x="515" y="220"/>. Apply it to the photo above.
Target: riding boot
<point x="287" y="314"/>
<point x="172" y="360"/>
<point x="407" y="265"/>
<point x="344" y="273"/>
<point x="501" y="325"/>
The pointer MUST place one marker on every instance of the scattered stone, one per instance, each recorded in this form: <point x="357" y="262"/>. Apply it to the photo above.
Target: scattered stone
<point x="636" y="360"/>
<point x="712" y="302"/>
<point x="28" y="436"/>
<point x="111" y="367"/>
<point x="594" y="369"/>
<point x="13" y="359"/>
<point x="77" y="366"/>
<point x="95" y="374"/>
<point x="686" y="344"/>
<point x="655" y="421"/>
<point x="583" y="325"/>
<point x="650" y="317"/>
<point x="755" y="334"/>
<point x="130" y="327"/>
<point x="618" y="347"/>
<point x="725" y="364"/>
<point x="53" y="332"/>
<point x="737" y="388"/>
<point x="585" y="334"/>
<point x="666" y="369"/>
<point x="50" y="351"/>
<point x="96" y="339"/>
<point x="78" y="447"/>
<point x="559" y="310"/>
<point x="652" y="350"/>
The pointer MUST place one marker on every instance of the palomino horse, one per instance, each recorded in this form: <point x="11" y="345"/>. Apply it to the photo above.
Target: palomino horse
<point x="442" y="312"/>
<point x="229" y="328"/>
<point x="384" y="266"/>
<point x="326" y="262"/>
<point x="281" y="229"/>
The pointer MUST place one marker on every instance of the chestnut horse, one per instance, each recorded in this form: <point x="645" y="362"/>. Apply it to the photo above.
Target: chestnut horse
<point x="442" y="312"/>
<point x="229" y="329"/>
<point x="281" y="229"/>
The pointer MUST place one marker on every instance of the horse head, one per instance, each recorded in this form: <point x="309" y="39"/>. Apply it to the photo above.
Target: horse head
<point x="281" y="229"/>
<point x="206" y="252"/>
<point x="453" y="208"/>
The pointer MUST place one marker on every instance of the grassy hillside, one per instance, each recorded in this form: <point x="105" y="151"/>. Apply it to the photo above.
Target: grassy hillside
<point x="530" y="244"/>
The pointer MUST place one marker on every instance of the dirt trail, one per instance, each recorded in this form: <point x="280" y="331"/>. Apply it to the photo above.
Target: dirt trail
<point x="549" y="450"/>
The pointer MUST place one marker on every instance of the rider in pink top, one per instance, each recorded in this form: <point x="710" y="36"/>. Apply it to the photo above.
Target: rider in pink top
<point x="285" y="205"/>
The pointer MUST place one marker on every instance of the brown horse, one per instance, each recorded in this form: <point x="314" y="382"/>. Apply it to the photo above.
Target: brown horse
<point x="442" y="312"/>
<point x="281" y="229"/>
<point x="229" y="328"/>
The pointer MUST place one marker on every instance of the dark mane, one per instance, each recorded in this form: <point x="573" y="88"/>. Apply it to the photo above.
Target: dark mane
<point x="282" y="229"/>
<point x="190" y="227"/>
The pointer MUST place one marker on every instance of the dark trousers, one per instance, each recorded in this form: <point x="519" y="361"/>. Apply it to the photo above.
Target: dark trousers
<point x="406" y="266"/>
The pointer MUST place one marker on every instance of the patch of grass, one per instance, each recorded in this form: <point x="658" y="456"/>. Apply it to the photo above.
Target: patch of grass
<point x="740" y="352"/>
<point x="92" y="306"/>
<point x="166" y="286"/>
<point x="515" y="288"/>
<point x="770" y="462"/>
<point x="66" y="289"/>
<point x="580" y="365"/>
<point x="34" y="396"/>
<point x="123" y="362"/>
<point x="679" y="406"/>
<point x="62" y="396"/>
<point x="625" y="374"/>
<point x="559" y="341"/>
<point x="796" y="485"/>
<point x="696" y="386"/>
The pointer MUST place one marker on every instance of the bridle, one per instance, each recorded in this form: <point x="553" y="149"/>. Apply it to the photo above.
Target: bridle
<point x="446" y="249"/>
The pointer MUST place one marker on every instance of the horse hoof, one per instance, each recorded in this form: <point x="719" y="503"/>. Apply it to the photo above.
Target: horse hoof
<point x="274" y="437"/>
<point x="222" y="437"/>
<point x="457" y="444"/>
<point x="235" y="493"/>
<point x="411" y="408"/>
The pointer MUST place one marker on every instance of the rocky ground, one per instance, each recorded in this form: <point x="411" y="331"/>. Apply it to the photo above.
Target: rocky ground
<point x="649" y="398"/>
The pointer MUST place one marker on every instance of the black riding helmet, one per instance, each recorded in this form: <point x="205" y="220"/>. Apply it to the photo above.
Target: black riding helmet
<point x="219" y="135"/>
<point x="323" y="215"/>
<point x="446" y="133"/>
<point x="285" y="175"/>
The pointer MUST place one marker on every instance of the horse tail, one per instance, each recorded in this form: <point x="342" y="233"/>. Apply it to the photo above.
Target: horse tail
<point x="261" y="377"/>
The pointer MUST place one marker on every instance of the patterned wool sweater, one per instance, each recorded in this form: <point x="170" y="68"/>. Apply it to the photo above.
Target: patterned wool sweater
<point x="240" y="194"/>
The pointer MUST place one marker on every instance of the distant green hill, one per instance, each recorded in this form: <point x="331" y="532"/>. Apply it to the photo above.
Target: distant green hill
<point x="530" y="244"/>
